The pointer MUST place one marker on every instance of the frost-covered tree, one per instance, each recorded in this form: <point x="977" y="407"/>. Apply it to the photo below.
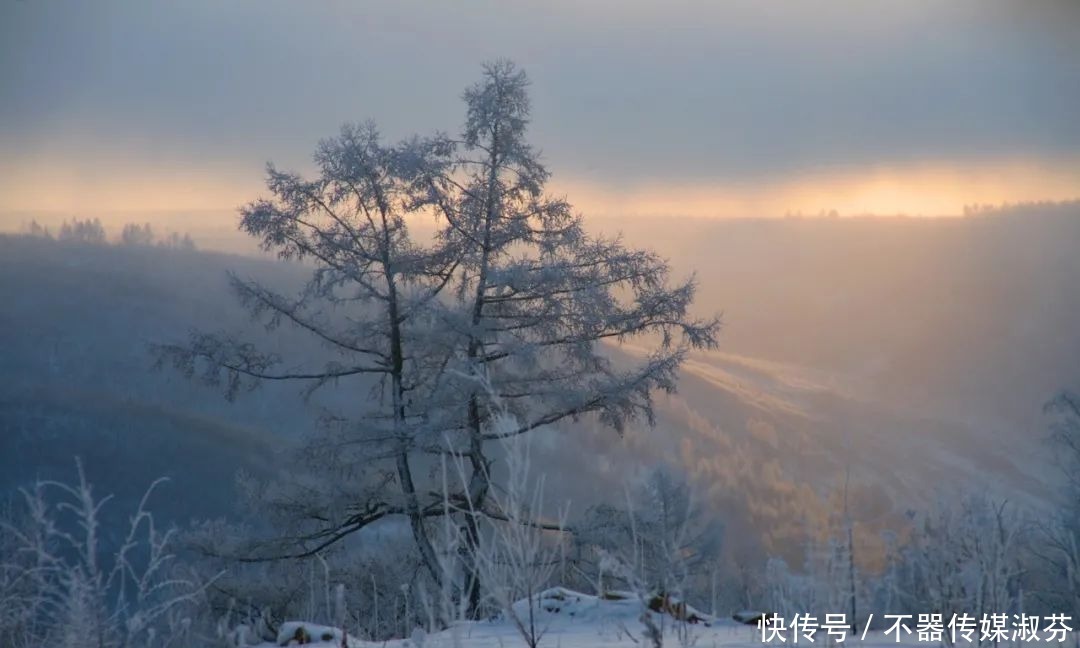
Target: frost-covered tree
<point x="966" y="557"/>
<point x="368" y="302"/>
<point x="67" y="579"/>
<point x="36" y="229"/>
<point x="83" y="231"/>
<point x="1065" y="435"/>
<point x="1059" y="545"/>
<point x="518" y="556"/>
<point x="137" y="235"/>
<point x="509" y="306"/>
<point x="823" y="585"/>
<point x="662" y="536"/>
<point x="176" y="241"/>
<point x="535" y="295"/>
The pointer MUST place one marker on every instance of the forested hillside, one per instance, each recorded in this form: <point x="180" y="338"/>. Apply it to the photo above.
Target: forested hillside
<point x="908" y="368"/>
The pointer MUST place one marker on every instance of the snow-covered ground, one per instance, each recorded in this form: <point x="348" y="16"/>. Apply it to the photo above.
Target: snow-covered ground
<point x="573" y="620"/>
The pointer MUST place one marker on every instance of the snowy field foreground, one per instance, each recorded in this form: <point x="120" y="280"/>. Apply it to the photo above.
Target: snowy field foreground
<point x="570" y="619"/>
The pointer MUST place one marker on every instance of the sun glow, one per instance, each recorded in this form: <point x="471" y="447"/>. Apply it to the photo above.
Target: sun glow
<point x="917" y="190"/>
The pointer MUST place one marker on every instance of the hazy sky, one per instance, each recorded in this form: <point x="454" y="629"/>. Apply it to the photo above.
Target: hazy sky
<point x="725" y="108"/>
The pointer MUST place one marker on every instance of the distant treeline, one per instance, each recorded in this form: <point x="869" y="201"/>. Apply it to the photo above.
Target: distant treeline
<point x="1024" y="208"/>
<point x="93" y="232"/>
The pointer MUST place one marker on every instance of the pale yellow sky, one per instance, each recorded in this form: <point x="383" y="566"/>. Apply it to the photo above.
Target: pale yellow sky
<point x="938" y="189"/>
<point x="726" y="108"/>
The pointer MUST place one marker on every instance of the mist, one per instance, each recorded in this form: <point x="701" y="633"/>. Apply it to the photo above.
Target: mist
<point x="355" y="324"/>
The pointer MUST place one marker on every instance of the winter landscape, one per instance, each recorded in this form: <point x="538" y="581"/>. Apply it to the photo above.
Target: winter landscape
<point x="546" y="324"/>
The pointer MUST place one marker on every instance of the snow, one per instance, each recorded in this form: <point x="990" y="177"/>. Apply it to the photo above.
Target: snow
<point x="299" y="632"/>
<point x="575" y="620"/>
<point x="566" y="618"/>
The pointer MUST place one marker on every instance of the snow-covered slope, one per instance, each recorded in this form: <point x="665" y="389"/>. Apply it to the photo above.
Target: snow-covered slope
<point x="568" y="619"/>
<point x="766" y="441"/>
<point x="562" y="618"/>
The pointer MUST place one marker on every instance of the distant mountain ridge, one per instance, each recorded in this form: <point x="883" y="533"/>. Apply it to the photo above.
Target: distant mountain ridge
<point x="918" y="354"/>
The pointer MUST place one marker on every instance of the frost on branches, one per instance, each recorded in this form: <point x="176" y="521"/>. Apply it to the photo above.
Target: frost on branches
<point x="508" y="303"/>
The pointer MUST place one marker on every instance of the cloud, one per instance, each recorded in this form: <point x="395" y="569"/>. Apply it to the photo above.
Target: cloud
<point x="625" y="93"/>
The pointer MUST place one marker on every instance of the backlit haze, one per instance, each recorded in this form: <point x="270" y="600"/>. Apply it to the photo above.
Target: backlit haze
<point x="152" y="111"/>
<point x="878" y="201"/>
